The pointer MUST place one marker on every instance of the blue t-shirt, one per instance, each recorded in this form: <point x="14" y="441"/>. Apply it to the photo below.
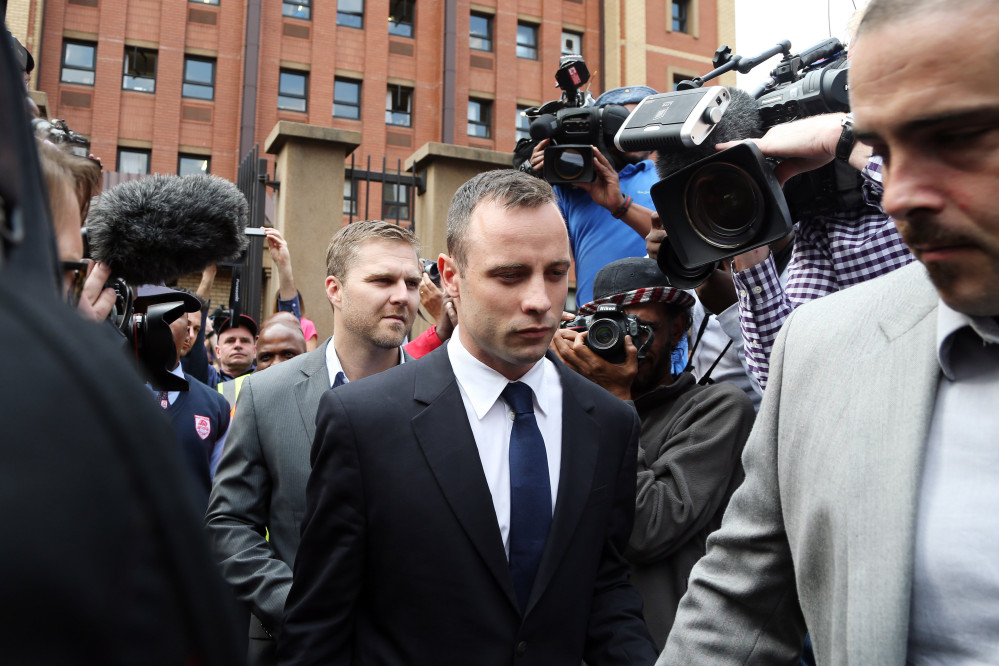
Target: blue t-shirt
<point x="596" y="237"/>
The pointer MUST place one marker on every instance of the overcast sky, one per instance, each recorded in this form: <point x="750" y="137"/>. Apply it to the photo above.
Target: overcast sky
<point x="760" y="24"/>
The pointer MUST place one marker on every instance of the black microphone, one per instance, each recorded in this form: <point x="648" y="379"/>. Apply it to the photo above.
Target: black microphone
<point x="741" y="120"/>
<point x="159" y="228"/>
<point x="544" y="127"/>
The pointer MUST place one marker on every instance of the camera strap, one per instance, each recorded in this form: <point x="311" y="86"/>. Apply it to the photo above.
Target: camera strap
<point x="706" y="378"/>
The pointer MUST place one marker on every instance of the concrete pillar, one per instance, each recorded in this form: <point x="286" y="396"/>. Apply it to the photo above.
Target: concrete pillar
<point x="308" y="207"/>
<point x="444" y="168"/>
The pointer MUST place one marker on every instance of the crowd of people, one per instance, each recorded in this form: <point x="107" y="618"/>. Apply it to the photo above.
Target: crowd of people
<point x="790" y="463"/>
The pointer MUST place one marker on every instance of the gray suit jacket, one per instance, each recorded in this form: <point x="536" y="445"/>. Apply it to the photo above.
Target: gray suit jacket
<point x="260" y="482"/>
<point x="822" y="531"/>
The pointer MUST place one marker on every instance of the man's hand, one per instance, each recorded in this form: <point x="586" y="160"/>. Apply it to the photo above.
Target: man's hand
<point x="570" y="346"/>
<point x="538" y="155"/>
<point x="447" y="320"/>
<point x="605" y="190"/>
<point x="96" y="301"/>
<point x="804" y="145"/>
<point x="277" y="246"/>
<point x="717" y="293"/>
<point x="431" y="297"/>
<point x="207" y="280"/>
<point x="655" y="237"/>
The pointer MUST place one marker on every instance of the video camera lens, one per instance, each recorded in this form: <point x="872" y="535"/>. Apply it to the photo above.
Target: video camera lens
<point x="724" y="204"/>
<point x="570" y="164"/>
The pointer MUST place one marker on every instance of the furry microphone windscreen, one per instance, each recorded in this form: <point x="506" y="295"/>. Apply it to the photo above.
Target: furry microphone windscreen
<point x="158" y="228"/>
<point x="741" y="121"/>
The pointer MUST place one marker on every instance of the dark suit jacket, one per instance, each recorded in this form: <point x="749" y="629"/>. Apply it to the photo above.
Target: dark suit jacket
<point x="401" y="560"/>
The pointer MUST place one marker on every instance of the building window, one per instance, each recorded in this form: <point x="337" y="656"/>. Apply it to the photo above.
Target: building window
<point x="347" y="99"/>
<point x="349" y="197"/>
<point x="401" y="13"/>
<point x="300" y="9"/>
<point x="79" y="60"/>
<point x="480" y="32"/>
<point x="480" y="116"/>
<point x="572" y="42"/>
<point x="133" y="160"/>
<point x="523" y="124"/>
<point x="399" y="105"/>
<point x="680" y="15"/>
<point x="140" y="70"/>
<point x="193" y="164"/>
<point x="350" y="13"/>
<point x="205" y="2"/>
<point x="199" y="78"/>
<point x="527" y="41"/>
<point x="292" y="90"/>
<point x="395" y="202"/>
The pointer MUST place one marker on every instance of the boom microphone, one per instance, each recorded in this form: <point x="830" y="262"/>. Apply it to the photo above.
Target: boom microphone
<point x="156" y="229"/>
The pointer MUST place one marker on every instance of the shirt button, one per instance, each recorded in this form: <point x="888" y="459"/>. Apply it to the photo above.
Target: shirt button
<point x="513" y="416"/>
<point x="757" y="290"/>
<point x="743" y="292"/>
<point x="521" y="648"/>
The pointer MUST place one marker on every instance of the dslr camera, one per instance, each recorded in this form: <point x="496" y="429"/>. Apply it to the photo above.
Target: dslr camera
<point x="605" y="331"/>
<point x="730" y="202"/>
<point x="574" y="126"/>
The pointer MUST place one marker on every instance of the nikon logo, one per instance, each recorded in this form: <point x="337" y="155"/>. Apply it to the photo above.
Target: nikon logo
<point x="663" y="111"/>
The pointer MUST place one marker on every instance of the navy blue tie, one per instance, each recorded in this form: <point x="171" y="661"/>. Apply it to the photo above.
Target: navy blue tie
<point x="339" y="380"/>
<point x="530" y="491"/>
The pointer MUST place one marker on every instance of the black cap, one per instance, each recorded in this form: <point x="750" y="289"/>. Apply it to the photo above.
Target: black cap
<point x="246" y="321"/>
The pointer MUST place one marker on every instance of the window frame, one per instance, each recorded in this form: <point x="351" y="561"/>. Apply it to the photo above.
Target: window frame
<point x="525" y="131"/>
<point x="579" y="38"/>
<point x="190" y="156"/>
<point x="535" y="31"/>
<point x="305" y="91"/>
<point x="403" y="202"/>
<point x="680" y="16"/>
<point x="350" y="196"/>
<point x="125" y="76"/>
<point x="398" y="28"/>
<point x="63" y="66"/>
<point x="205" y="2"/>
<point x="356" y="105"/>
<point x="390" y="109"/>
<point x="185" y="82"/>
<point x="146" y="152"/>
<point x="351" y="18"/>
<point x="487" y="39"/>
<point x="485" y="119"/>
<point x="293" y="9"/>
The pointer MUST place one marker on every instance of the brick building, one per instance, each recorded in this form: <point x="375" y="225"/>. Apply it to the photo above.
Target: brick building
<point x="176" y="86"/>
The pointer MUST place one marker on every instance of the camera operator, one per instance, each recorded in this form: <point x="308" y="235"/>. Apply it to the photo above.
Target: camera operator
<point x="691" y="435"/>
<point x="594" y="212"/>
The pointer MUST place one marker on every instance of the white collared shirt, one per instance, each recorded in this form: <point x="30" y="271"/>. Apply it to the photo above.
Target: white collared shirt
<point x="954" y="616"/>
<point x="491" y="420"/>
<point x="333" y="365"/>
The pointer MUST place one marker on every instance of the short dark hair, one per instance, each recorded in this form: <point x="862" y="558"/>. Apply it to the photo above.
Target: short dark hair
<point x="345" y="243"/>
<point x="880" y="13"/>
<point x="507" y="187"/>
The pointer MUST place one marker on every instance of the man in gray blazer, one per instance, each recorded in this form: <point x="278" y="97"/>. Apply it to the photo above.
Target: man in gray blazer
<point x="868" y="514"/>
<point x="257" y="503"/>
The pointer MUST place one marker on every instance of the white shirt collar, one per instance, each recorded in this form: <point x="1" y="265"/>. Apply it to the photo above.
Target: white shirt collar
<point x="949" y="322"/>
<point x="483" y="385"/>
<point x="333" y="365"/>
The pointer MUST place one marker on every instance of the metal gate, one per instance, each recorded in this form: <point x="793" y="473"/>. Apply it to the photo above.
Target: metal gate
<point x="404" y="186"/>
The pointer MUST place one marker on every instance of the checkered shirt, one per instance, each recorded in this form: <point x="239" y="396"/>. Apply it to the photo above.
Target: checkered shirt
<point x="830" y="253"/>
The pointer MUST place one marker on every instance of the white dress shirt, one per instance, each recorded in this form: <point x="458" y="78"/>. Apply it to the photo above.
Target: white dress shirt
<point x="954" y="618"/>
<point x="333" y="365"/>
<point x="491" y="420"/>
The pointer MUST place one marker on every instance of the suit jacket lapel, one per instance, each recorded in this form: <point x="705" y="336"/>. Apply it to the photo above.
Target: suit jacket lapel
<point x="579" y="459"/>
<point x="308" y="391"/>
<point x="445" y="437"/>
<point x="883" y="513"/>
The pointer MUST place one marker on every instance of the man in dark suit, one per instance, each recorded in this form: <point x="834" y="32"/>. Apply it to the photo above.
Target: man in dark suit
<point x="473" y="507"/>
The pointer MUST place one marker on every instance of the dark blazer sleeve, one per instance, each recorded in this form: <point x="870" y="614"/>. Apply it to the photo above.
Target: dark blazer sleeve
<point x="617" y="633"/>
<point x="319" y="615"/>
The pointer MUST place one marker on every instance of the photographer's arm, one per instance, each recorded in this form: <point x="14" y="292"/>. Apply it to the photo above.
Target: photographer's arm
<point x="278" y="248"/>
<point x="606" y="192"/>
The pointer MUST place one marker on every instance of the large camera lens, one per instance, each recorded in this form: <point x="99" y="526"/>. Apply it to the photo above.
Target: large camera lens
<point x="570" y="164"/>
<point x="724" y="204"/>
<point x="603" y="334"/>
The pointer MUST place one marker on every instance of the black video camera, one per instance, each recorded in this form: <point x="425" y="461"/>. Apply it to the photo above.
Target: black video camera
<point x="606" y="329"/>
<point x="574" y="126"/>
<point x="730" y="202"/>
